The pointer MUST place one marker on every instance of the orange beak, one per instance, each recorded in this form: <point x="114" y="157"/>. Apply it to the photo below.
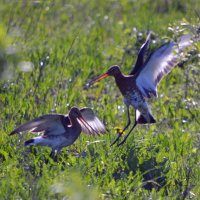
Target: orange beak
<point x="99" y="78"/>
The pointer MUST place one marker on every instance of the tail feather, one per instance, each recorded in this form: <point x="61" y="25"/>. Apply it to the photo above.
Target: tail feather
<point x="144" y="120"/>
<point x="29" y="142"/>
<point x="37" y="140"/>
<point x="13" y="132"/>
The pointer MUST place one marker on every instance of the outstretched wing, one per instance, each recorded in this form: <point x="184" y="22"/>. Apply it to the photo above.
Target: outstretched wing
<point x="160" y="63"/>
<point x="94" y="125"/>
<point x="141" y="55"/>
<point x="49" y="124"/>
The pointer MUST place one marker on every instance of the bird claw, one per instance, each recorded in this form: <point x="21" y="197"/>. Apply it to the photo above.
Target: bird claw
<point x="120" y="134"/>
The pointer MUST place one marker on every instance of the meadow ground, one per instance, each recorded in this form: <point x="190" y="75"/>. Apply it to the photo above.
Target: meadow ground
<point x="49" y="50"/>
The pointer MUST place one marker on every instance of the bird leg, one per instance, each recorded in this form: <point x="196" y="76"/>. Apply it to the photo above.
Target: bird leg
<point x="122" y="142"/>
<point x="129" y="120"/>
<point x="54" y="155"/>
<point x="119" y="135"/>
<point x="127" y="125"/>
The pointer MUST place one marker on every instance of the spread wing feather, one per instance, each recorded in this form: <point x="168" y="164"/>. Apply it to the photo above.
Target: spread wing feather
<point x="141" y="55"/>
<point x="159" y="64"/>
<point x="52" y="124"/>
<point x="95" y="125"/>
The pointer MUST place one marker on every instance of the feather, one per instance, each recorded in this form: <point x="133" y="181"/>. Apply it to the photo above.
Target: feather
<point x="159" y="64"/>
<point x="95" y="125"/>
<point x="141" y="55"/>
<point x="49" y="124"/>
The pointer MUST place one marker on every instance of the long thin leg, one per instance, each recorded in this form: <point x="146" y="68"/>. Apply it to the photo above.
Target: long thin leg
<point x="52" y="154"/>
<point x="120" y="134"/>
<point x="122" y="142"/>
<point x="129" y="120"/>
<point x="127" y="125"/>
<point x="134" y="125"/>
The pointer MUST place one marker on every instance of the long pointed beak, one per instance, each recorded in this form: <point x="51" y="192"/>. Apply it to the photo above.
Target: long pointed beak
<point x="85" y="123"/>
<point x="99" y="78"/>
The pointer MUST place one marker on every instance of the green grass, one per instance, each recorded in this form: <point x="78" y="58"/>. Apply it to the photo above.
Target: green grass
<point x="69" y="43"/>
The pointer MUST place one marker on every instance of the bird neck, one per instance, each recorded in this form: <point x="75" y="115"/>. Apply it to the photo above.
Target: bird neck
<point x="74" y="123"/>
<point x="119" y="79"/>
<point x="124" y="83"/>
<point x="118" y="75"/>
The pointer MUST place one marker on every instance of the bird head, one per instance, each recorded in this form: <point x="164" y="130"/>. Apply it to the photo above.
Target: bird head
<point x="112" y="71"/>
<point x="75" y="112"/>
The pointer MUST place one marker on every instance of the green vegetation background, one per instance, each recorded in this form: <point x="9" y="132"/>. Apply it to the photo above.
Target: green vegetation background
<point x="48" y="52"/>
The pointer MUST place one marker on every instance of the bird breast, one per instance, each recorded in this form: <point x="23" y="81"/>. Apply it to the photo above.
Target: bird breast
<point x="125" y="84"/>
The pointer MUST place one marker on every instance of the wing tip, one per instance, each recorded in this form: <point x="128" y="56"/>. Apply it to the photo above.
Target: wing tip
<point x="13" y="132"/>
<point x="149" y="36"/>
<point x="103" y="130"/>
